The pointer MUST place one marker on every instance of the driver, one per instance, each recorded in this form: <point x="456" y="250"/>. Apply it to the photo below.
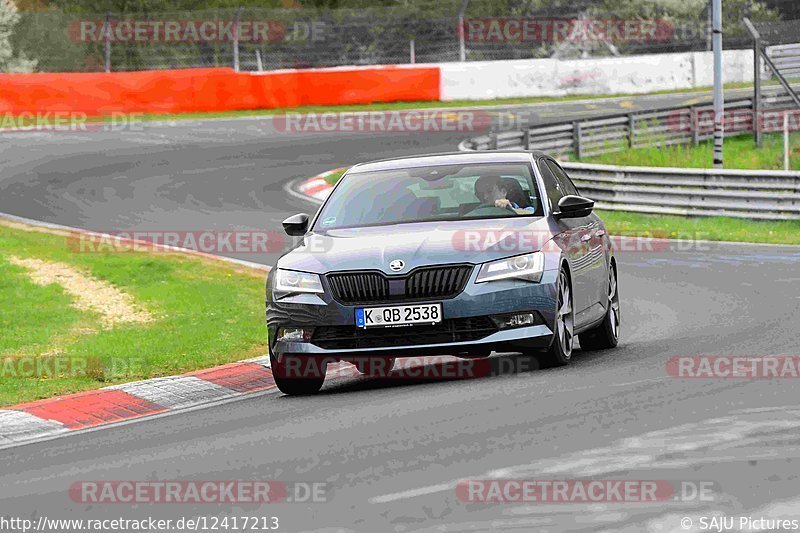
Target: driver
<point x="491" y="190"/>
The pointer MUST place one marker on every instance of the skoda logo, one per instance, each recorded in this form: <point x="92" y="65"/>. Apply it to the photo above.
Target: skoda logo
<point x="397" y="265"/>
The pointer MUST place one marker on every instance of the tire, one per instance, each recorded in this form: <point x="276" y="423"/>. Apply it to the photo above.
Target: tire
<point x="285" y="372"/>
<point x="606" y="335"/>
<point x="560" y="351"/>
<point x="378" y="367"/>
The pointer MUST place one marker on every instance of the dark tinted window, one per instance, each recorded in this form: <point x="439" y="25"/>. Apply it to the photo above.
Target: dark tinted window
<point x="554" y="189"/>
<point x="565" y="184"/>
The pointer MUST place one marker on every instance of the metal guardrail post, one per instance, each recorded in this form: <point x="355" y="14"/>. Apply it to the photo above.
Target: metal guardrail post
<point x="493" y="141"/>
<point x="694" y="125"/>
<point x="757" y="136"/>
<point x="107" y="38"/>
<point x="462" y="38"/>
<point x="236" y="25"/>
<point x="576" y="139"/>
<point x="526" y="139"/>
<point x="631" y="129"/>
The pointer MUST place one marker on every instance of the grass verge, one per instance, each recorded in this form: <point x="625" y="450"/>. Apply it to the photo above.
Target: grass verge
<point x="701" y="228"/>
<point x="206" y="313"/>
<point x="739" y="152"/>
<point x="333" y="177"/>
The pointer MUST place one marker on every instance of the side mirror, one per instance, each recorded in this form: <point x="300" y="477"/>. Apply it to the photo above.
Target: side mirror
<point x="296" y="225"/>
<point x="572" y="206"/>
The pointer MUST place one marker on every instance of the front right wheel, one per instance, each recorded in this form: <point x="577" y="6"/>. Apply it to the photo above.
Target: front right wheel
<point x="560" y="351"/>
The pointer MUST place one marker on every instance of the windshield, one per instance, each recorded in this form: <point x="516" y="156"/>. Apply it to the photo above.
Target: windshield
<point x="422" y="194"/>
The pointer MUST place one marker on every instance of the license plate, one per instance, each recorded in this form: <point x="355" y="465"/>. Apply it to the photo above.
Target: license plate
<point x="399" y="315"/>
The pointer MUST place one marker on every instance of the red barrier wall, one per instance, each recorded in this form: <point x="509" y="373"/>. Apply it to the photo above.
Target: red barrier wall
<point x="219" y="89"/>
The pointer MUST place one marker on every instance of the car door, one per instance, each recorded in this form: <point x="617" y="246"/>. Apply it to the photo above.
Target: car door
<point x="573" y="240"/>
<point x="592" y="233"/>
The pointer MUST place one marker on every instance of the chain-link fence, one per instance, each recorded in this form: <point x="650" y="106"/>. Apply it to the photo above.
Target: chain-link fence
<point x="421" y="31"/>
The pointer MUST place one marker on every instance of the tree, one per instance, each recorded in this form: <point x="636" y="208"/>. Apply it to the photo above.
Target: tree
<point x="8" y="61"/>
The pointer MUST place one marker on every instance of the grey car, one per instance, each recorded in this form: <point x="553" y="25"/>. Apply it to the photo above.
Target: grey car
<point x="459" y="254"/>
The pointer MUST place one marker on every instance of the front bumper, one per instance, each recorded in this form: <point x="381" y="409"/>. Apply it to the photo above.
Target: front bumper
<point x="476" y="301"/>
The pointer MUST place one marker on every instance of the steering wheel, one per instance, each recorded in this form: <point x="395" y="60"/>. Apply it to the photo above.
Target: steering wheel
<point x="489" y="210"/>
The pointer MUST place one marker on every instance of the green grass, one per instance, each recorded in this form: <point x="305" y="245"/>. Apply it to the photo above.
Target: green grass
<point x="701" y="228"/>
<point x="30" y="315"/>
<point x="206" y="313"/>
<point x="336" y="176"/>
<point x="739" y="152"/>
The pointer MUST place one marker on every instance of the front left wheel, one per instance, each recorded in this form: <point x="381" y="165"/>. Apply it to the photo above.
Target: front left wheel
<point x="295" y="377"/>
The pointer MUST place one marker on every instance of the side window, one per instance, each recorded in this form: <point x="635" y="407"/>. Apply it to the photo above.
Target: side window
<point x="566" y="184"/>
<point x="554" y="191"/>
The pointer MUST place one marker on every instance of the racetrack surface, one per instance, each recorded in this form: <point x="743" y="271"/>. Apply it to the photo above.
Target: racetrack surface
<point x="391" y="450"/>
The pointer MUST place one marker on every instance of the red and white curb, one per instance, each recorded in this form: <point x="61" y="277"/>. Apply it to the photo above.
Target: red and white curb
<point x="315" y="189"/>
<point x="44" y="419"/>
<point x="53" y="416"/>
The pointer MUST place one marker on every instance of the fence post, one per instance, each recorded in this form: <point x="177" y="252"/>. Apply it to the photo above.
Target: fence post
<point x="785" y="140"/>
<point x="493" y="140"/>
<point x="236" y="25"/>
<point x="412" y="51"/>
<point x="259" y="62"/>
<point x="695" y="126"/>
<point x="631" y="129"/>
<point x="756" y="79"/>
<point x="107" y="38"/>
<point x="462" y="44"/>
<point x="757" y="91"/>
<point x="526" y="139"/>
<point x="576" y="138"/>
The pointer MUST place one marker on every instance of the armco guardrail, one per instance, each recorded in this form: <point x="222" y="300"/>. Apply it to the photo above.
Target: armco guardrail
<point x="767" y="195"/>
<point x="617" y="132"/>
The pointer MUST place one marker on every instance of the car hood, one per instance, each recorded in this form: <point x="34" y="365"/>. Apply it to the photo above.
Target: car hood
<point x="417" y="244"/>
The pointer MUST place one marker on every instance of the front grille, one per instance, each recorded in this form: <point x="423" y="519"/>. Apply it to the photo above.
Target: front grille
<point x="359" y="287"/>
<point x="421" y="283"/>
<point x="450" y="330"/>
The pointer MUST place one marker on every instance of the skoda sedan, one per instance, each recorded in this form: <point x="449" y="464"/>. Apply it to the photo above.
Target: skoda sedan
<point x="459" y="254"/>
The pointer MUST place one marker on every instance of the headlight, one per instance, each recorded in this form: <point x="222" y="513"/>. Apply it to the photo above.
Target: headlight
<point x="292" y="281"/>
<point x="528" y="267"/>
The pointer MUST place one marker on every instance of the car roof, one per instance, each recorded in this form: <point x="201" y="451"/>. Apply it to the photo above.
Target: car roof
<point x="449" y="158"/>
